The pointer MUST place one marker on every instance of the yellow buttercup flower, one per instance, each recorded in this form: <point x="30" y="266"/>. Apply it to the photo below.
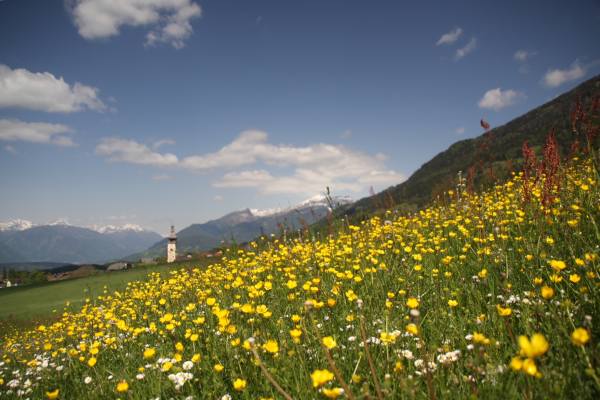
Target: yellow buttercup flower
<point x="387" y="338"/>
<point x="122" y="386"/>
<point x="320" y="377"/>
<point x="333" y="393"/>
<point x="239" y="384"/>
<point x="516" y="363"/>
<point x="412" y="329"/>
<point x="295" y="334"/>
<point x="530" y="368"/>
<point x="329" y="342"/>
<point x="537" y="346"/>
<point x="547" y="292"/>
<point x="558" y="265"/>
<point x="412" y="302"/>
<point x="52" y="395"/>
<point x="580" y="336"/>
<point x="503" y="311"/>
<point x="149" y="353"/>
<point x="271" y="347"/>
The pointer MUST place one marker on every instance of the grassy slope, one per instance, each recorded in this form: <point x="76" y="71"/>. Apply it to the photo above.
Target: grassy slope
<point x="22" y="306"/>
<point x="439" y="173"/>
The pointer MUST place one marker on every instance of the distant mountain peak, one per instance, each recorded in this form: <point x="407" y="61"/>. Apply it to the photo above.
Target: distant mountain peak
<point x="319" y="200"/>
<point x="59" y="222"/>
<point x="117" y="228"/>
<point x="16" y="225"/>
<point x="266" y="212"/>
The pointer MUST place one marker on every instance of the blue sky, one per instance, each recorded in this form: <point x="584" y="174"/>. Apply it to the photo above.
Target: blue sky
<point x="178" y="111"/>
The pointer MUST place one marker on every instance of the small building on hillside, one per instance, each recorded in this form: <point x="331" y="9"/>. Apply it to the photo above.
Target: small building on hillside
<point x="118" y="266"/>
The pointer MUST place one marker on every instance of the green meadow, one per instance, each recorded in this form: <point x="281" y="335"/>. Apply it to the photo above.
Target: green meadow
<point x="24" y="306"/>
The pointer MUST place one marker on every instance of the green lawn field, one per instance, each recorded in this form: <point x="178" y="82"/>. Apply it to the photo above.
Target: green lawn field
<point x="26" y="305"/>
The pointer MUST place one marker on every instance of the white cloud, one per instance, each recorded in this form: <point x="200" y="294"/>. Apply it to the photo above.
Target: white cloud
<point x="497" y="99"/>
<point x="312" y="167"/>
<point x="557" y="77"/>
<point x="169" y="20"/>
<point x="315" y="167"/>
<point x="10" y="149"/>
<point x="129" y="151"/>
<point x="162" y="142"/>
<point x="468" y="48"/>
<point x="450" y="37"/>
<point x="523" y="55"/>
<point x="12" y="130"/>
<point x="460" y="130"/>
<point x="218" y="197"/>
<point x="42" y="91"/>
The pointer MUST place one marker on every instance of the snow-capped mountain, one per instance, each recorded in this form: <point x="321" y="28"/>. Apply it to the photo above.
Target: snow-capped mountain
<point x="117" y="228"/>
<point x="58" y="241"/>
<point x="319" y="200"/>
<point x="15" y="225"/>
<point x="58" y="222"/>
<point x="245" y="225"/>
<point x="265" y="212"/>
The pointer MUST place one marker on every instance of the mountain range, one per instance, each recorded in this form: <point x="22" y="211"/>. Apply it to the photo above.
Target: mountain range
<point x="23" y="241"/>
<point x="245" y="225"/>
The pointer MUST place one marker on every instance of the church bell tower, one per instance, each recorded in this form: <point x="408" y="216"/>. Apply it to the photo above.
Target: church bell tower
<point x="172" y="246"/>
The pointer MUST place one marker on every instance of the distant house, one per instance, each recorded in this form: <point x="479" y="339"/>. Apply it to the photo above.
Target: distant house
<point x="118" y="266"/>
<point x="148" y="260"/>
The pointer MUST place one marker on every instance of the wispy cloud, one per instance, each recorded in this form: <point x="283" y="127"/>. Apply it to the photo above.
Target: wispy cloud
<point x="313" y="167"/>
<point x="130" y="151"/>
<point x="497" y="99"/>
<point x="170" y="20"/>
<point x="556" y="77"/>
<point x="10" y="149"/>
<point x="460" y="130"/>
<point x="42" y="91"/>
<point x="523" y="55"/>
<point x="162" y="142"/>
<point x="468" y="48"/>
<point x="13" y="130"/>
<point x="450" y="37"/>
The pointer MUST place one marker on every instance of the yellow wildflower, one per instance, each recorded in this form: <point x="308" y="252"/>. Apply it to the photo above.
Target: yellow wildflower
<point x="329" y="342"/>
<point x="580" y="336"/>
<point x="320" y="377"/>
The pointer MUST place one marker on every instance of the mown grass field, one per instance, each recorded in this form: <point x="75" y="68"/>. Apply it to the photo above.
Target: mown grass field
<point x="492" y="295"/>
<point x="25" y="306"/>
